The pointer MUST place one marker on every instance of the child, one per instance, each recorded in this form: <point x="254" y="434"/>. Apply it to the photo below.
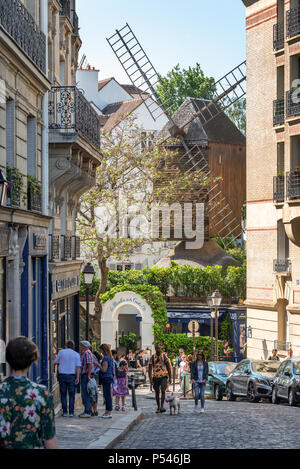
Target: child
<point x="121" y="387"/>
<point x="92" y="389"/>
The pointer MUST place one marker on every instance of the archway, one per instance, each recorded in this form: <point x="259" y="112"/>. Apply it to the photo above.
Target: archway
<point x="131" y="302"/>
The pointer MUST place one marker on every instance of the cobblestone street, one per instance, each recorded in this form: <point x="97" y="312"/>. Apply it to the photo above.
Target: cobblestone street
<point x="237" y="425"/>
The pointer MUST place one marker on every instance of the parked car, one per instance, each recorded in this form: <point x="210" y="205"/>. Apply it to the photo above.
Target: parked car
<point x="252" y="379"/>
<point x="217" y="376"/>
<point x="138" y="375"/>
<point x="286" y="384"/>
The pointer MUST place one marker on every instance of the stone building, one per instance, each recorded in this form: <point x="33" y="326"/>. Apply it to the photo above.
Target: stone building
<point x="273" y="182"/>
<point x="24" y="216"/>
<point x="74" y="154"/>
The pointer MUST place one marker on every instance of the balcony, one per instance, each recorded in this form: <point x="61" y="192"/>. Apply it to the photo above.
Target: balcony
<point x="282" y="265"/>
<point x="66" y="247"/>
<point x="293" y="184"/>
<point x="278" y="189"/>
<point x="54" y="247"/>
<point x="278" y="112"/>
<point x="16" y="20"/>
<point x="65" y="10"/>
<point x="34" y="196"/>
<point x="292" y="103"/>
<point x="70" y="112"/>
<point x="14" y="189"/>
<point x="293" y="22"/>
<point x="278" y="36"/>
<point x="76" y="247"/>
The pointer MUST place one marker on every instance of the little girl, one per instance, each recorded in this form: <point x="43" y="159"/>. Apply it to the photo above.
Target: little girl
<point x="121" y="387"/>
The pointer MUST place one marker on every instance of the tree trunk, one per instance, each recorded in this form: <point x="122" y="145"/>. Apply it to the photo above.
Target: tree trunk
<point x="104" y="270"/>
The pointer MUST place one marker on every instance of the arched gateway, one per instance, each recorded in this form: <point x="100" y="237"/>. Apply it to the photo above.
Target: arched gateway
<point x="136" y="309"/>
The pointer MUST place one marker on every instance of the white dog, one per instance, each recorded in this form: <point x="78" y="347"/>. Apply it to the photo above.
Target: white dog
<point x="173" y="402"/>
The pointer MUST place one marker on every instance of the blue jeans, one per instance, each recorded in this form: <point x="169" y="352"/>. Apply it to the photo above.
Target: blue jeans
<point x="67" y="385"/>
<point x="106" y="388"/>
<point x="199" y="389"/>
<point x="84" y="394"/>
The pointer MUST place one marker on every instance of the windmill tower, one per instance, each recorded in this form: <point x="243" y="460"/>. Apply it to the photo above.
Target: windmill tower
<point x="224" y="221"/>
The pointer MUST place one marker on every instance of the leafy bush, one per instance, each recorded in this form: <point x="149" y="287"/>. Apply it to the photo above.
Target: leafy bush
<point x="129" y="341"/>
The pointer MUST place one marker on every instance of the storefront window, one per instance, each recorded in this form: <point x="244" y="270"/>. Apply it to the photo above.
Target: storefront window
<point x="2" y="316"/>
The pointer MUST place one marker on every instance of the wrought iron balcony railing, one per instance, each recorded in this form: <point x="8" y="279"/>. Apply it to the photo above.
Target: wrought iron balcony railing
<point x="278" y="36"/>
<point x="280" y="345"/>
<point x="13" y="196"/>
<point x="66" y="247"/>
<point x="278" y="111"/>
<point x="293" y="184"/>
<point x="293" y="22"/>
<point x="281" y="265"/>
<point x="34" y="196"/>
<point x="75" y="247"/>
<point x="278" y="188"/>
<point x="292" y="103"/>
<point x="54" y="247"/>
<point x="16" y="20"/>
<point x="69" y="111"/>
<point x="75" y="22"/>
<point x="65" y="8"/>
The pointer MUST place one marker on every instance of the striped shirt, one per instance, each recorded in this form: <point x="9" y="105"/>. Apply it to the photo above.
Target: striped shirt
<point x="86" y="360"/>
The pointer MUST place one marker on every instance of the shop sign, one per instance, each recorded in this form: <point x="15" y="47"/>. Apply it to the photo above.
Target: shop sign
<point x="67" y="283"/>
<point x="39" y="241"/>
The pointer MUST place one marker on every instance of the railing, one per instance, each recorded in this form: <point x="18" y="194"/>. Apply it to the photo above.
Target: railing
<point x="293" y="184"/>
<point x="70" y="111"/>
<point x="65" y="8"/>
<point x="278" y="36"/>
<point x="293" y="22"/>
<point x="75" y="23"/>
<point x="278" y="188"/>
<point x="21" y="26"/>
<point x="76" y="247"/>
<point x="278" y="111"/>
<point x="292" y="103"/>
<point x="34" y="196"/>
<point x="280" y="345"/>
<point x="13" y="196"/>
<point x="54" y="247"/>
<point x="281" y="265"/>
<point x="66" y="251"/>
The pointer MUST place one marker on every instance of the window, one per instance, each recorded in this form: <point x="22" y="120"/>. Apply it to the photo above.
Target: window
<point x="31" y="146"/>
<point x="10" y="132"/>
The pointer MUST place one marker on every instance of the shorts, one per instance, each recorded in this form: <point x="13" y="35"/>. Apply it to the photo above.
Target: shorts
<point x="160" y="383"/>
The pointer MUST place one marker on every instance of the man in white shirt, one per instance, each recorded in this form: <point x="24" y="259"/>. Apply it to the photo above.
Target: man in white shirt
<point x="69" y="374"/>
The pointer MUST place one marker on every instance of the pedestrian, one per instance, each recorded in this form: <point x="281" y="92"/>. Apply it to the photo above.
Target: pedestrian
<point x="92" y="390"/>
<point x="185" y="383"/>
<point x="226" y="349"/>
<point x="131" y="359"/>
<point x="69" y="375"/>
<point x="178" y="361"/>
<point x="274" y="355"/>
<point x="121" y="389"/>
<point x="291" y="353"/>
<point x="106" y="369"/>
<point x="199" y="375"/>
<point x="166" y="354"/>
<point x="116" y="363"/>
<point x="26" y="408"/>
<point x="159" y="374"/>
<point x="86" y="357"/>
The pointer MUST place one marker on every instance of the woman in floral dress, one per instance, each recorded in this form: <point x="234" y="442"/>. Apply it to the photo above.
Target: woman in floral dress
<point x="121" y="387"/>
<point x="26" y="408"/>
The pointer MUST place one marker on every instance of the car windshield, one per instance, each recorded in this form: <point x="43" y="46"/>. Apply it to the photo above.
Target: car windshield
<point x="265" y="367"/>
<point x="225" y="368"/>
<point x="297" y="368"/>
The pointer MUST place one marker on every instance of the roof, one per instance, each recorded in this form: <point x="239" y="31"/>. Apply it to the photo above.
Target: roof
<point x="132" y="89"/>
<point x="112" y="108"/>
<point x="127" y="107"/>
<point x="102" y="83"/>
<point x="220" y="129"/>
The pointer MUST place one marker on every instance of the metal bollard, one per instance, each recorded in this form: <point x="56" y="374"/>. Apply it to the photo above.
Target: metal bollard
<point x="174" y="377"/>
<point x="184" y="386"/>
<point x="134" y="404"/>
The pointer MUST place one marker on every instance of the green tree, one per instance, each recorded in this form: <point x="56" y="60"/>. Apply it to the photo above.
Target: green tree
<point x="237" y="113"/>
<point x="185" y="83"/>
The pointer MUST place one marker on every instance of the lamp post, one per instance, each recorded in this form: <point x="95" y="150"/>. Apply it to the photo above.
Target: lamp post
<point x="214" y="301"/>
<point x="3" y="188"/>
<point x="210" y="304"/>
<point x="88" y="276"/>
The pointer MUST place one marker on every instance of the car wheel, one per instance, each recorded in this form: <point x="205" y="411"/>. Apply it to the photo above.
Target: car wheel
<point x="229" y="394"/>
<point x="218" y="393"/>
<point x="292" y="401"/>
<point x="251" y="393"/>
<point x="275" y="399"/>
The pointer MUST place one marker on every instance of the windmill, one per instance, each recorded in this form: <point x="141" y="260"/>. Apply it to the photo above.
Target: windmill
<point x="228" y="90"/>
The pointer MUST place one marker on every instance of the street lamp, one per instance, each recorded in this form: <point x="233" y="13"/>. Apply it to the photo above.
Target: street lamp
<point x="88" y="276"/>
<point x="215" y="301"/>
<point x="3" y="188"/>
<point x="210" y="304"/>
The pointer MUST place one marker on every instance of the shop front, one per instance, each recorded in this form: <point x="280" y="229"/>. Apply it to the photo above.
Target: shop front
<point x="4" y="250"/>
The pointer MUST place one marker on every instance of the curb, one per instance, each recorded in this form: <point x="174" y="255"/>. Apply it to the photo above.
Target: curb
<point x="118" y="430"/>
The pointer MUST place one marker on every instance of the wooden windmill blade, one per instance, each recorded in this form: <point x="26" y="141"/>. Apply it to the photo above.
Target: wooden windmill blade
<point x="143" y="75"/>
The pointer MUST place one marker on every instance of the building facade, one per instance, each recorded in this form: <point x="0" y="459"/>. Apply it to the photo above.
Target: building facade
<point x="24" y="217"/>
<point x="273" y="187"/>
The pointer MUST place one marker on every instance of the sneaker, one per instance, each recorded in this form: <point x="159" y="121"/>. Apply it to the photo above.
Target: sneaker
<point x="117" y="408"/>
<point x="162" y="410"/>
<point x="202" y="411"/>
<point x="71" y="415"/>
<point x="105" y="416"/>
<point x="96" y="414"/>
<point x="196" y="410"/>
<point x="92" y="414"/>
<point x="85" y="416"/>
<point x="158" y="411"/>
<point x="123" y="408"/>
<point x="64" y="415"/>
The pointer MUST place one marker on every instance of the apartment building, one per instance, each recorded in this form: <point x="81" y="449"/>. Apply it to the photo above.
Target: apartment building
<point x="74" y="154"/>
<point x="24" y="217"/>
<point x="273" y="177"/>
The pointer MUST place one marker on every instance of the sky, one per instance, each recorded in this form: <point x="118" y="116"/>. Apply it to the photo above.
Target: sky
<point x="211" y="33"/>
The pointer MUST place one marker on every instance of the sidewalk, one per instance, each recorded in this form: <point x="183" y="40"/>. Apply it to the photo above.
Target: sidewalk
<point x="94" y="432"/>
